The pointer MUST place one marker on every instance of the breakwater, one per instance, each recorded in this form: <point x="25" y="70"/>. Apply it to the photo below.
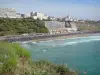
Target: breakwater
<point x="40" y="36"/>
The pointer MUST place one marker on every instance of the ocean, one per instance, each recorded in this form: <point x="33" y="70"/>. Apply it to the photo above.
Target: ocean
<point x="81" y="54"/>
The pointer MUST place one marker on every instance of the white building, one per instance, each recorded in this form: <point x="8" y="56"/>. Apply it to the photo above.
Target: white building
<point x="76" y="20"/>
<point x="52" y="18"/>
<point x="18" y="15"/>
<point x="7" y="13"/>
<point x="81" y="20"/>
<point x="35" y="17"/>
<point x="68" y="18"/>
<point x="39" y="15"/>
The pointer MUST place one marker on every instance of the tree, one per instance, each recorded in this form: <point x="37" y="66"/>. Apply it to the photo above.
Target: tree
<point x="20" y="26"/>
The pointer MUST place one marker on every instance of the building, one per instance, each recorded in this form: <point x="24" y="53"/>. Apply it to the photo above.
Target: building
<point x="52" y="18"/>
<point x="68" y="18"/>
<point x="18" y="15"/>
<point x="39" y="15"/>
<point x="81" y="20"/>
<point x="11" y="13"/>
<point x="25" y="15"/>
<point x="75" y="20"/>
<point x="7" y="13"/>
<point x="45" y="17"/>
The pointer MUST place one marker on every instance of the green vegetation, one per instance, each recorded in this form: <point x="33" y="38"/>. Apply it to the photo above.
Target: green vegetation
<point x="10" y="55"/>
<point x="10" y="26"/>
<point x="88" y="26"/>
<point x="15" y="60"/>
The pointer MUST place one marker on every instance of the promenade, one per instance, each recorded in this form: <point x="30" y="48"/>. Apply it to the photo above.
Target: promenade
<point x="28" y="37"/>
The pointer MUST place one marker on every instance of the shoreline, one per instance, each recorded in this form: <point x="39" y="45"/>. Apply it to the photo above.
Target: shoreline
<point x="65" y="37"/>
<point x="43" y="37"/>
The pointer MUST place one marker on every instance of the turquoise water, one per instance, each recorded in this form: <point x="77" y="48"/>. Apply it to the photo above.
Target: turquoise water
<point x="81" y="54"/>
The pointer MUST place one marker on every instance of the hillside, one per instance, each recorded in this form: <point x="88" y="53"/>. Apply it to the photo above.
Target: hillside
<point x="10" y="26"/>
<point x="15" y="60"/>
<point x="88" y="26"/>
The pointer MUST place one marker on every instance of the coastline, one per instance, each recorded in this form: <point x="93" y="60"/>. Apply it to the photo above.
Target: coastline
<point x="44" y="37"/>
<point x="65" y="37"/>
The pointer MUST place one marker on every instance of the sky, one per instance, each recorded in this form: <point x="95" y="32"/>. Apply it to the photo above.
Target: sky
<point x="81" y="9"/>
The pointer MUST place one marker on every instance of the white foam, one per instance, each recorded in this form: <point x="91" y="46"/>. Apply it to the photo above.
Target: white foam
<point x="24" y="42"/>
<point x="54" y="45"/>
<point x="44" y="50"/>
<point x="80" y="41"/>
<point x="49" y="41"/>
<point x="84" y="37"/>
<point x="70" y="41"/>
<point x="60" y="39"/>
<point x="41" y="41"/>
<point x="33" y="42"/>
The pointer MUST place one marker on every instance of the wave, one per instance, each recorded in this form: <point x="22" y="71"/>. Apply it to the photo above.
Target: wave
<point x="49" y="41"/>
<point x="44" y="50"/>
<point x="23" y="42"/>
<point x="80" y="41"/>
<point x="64" y="42"/>
<point x="33" y="42"/>
<point x="72" y="42"/>
<point x="67" y="42"/>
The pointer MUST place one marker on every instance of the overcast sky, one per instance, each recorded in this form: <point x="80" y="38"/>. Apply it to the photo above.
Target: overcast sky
<point x="82" y="9"/>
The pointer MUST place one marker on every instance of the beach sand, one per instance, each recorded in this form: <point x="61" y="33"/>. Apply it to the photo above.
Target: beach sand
<point x="61" y="37"/>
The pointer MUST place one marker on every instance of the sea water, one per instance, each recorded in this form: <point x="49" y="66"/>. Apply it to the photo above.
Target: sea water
<point x="81" y="54"/>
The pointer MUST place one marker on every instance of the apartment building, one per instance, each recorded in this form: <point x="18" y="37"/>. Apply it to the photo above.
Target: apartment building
<point x="7" y="13"/>
<point x="39" y="15"/>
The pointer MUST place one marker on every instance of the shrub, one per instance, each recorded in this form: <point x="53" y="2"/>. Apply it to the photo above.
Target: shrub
<point x="9" y="56"/>
<point x="62" y="70"/>
<point x="10" y="26"/>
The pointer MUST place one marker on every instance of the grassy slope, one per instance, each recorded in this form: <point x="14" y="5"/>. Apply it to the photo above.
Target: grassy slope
<point x="15" y="60"/>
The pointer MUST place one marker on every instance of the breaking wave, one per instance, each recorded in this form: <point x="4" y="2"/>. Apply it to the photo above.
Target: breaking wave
<point x="80" y="41"/>
<point x="64" y="42"/>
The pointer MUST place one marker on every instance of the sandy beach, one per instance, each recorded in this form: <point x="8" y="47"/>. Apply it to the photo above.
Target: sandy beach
<point x="65" y="37"/>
